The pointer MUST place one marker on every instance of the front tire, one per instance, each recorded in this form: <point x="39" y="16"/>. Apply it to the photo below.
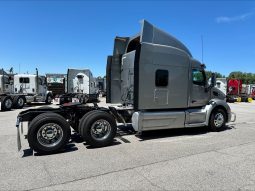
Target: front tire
<point x="98" y="129"/>
<point x="218" y="120"/>
<point x="48" y="133"/>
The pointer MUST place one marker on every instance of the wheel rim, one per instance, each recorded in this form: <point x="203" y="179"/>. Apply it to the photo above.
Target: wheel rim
<point x="50" y="134"/>
<point x="100" y="129"/>
<point x="8" y="103"/>
<point x="218" y="120"/>
<point x="20" y="101"/>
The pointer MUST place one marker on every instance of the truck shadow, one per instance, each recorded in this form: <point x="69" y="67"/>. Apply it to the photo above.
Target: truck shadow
<point x="159" y="134"/>
<point x="68" y="148"/>
<point x="128" y="130"/>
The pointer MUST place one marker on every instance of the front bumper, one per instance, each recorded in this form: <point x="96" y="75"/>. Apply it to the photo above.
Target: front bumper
<point x="231" y="117"/>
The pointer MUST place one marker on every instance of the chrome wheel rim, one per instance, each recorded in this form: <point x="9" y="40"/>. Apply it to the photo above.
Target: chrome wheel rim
<point x="20" y="101"/>
<point x="218" y="120"/>
<point x="50" y="134"/>
<point x="100" y="129"/>
<point x="8" y="103"/>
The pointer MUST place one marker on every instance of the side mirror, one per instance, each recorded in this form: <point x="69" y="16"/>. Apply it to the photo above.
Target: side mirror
<point x="212" y="83"/>
<point x="213" y="80"/>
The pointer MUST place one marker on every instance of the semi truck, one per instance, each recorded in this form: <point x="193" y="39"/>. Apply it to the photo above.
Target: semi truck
<point x="234" y="90"/>
<point x="56" y="83"/>
<point x="101" y="84"/>
<point x="19" y="89"/>
<point x="237" y="91"/>
<point x="158" y="84"/>
<point x="81" y="87"/>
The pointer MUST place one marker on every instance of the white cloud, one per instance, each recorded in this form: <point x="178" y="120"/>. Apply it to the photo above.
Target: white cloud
<point x="242" y="17"/>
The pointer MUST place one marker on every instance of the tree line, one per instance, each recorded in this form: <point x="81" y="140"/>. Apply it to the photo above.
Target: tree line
<point x="247" y="78"/>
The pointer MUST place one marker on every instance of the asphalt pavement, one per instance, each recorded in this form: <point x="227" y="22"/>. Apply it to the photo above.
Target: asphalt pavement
<point x="177" y="159"/>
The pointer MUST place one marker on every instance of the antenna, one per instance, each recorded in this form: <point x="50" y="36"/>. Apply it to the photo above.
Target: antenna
<point x="202" y="43"/>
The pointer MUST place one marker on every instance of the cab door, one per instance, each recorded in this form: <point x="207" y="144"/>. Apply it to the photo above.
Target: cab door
<point x="199" y="94"/>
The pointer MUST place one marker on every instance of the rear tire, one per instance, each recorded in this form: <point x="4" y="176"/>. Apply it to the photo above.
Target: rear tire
<point x="98" y="128"/>
<point x="19" y="102"/>
<point x="48" y="133"/>
<point x="6" y="103"/>
<point x="217" y="120"/>
<point x="80" y="128"/>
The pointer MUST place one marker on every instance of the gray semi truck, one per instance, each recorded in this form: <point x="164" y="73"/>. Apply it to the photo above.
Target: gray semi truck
<point x="159" y="85"/>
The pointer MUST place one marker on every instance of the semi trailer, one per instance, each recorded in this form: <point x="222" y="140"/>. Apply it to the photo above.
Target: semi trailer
<point x="81" y="87"/>
<point x="18" y="89"/>
<point x="158" y="84"/>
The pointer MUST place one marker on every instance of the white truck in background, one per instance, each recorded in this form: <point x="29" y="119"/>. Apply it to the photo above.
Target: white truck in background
<point x="81" y="87"/>
<point x="19" y="89"/>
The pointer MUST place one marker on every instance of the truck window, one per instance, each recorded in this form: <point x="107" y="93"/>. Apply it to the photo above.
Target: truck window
<point x="198" y="77"/>
<point x="24" y="80"/>
<point x="161" y="78"/>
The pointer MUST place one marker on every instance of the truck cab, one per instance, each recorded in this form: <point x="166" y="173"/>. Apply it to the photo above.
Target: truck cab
<point x="33" y="86"/>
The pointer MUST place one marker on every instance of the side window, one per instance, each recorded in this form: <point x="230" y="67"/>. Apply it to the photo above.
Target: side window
<point x="198" y="77"/>
<point x="161" y="78"/>
<point x="24" y="80"/>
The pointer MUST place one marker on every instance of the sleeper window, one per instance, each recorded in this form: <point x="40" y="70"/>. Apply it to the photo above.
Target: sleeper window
<point x="161" y="78"/>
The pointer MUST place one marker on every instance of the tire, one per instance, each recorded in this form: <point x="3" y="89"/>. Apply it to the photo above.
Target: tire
<point x="19" y="102"/>
<point x="80" y="127"/>
<point x="48" y="99"/>
<point x="98" y="129"/>
<point x="217" y="120"/>
<point x="6" y="103"/>
<point x="42" y="129"/>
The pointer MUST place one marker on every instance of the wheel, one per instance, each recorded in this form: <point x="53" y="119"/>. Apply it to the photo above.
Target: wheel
<point x="48" y="99"/>
<point x="6" y="103"/>
<point x="98" y="128"/>
<point x="19" y="102"/>
<point x="217" y="120"/>
<point x="80" y="127"/>
<point x="48" y="133"/>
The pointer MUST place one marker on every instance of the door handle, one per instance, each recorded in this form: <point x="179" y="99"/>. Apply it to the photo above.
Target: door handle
<point x="193" y="101"/>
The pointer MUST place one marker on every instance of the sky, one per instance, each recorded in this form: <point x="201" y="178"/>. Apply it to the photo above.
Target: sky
<point x="56" y="35"/>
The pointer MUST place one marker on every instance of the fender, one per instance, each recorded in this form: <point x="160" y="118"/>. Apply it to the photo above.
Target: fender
<point x="217" y="103"/>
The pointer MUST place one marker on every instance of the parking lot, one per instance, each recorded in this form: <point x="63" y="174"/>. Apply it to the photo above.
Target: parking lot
<point x="180" y="159"/>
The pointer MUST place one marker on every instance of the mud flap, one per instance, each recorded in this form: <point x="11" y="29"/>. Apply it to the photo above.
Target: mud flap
<point x="18" y="134"/>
